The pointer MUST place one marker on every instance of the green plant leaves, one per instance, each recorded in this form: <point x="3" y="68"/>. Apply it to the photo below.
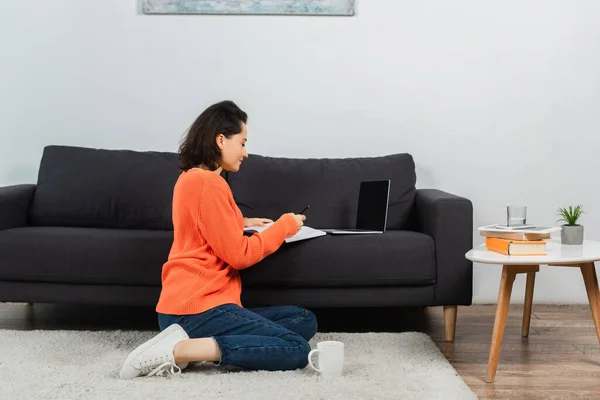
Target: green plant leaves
<point x="571" y="214"/>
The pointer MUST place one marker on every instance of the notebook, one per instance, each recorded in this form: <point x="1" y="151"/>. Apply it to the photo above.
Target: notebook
<point x="371" y="216"/>
<point x="304" y="233"/>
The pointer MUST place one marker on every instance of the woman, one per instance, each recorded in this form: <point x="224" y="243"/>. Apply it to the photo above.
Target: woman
<point x="199" y="311"/>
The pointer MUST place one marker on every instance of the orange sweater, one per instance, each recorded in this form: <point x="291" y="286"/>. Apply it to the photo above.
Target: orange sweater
<point x="210" y="247"/>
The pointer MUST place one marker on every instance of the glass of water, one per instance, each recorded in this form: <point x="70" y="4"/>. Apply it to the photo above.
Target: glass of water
<point x="516" y="215"/>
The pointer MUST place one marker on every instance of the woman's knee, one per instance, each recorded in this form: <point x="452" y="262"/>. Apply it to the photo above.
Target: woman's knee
<point x="305" y="349"/>
<point x="311" y="326"/>
<point x="300" y="358"/>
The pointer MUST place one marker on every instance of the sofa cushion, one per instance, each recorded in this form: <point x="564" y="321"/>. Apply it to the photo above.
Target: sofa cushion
<point x="395" y="258"/>
<point x="84" y="255"/>
<point x="136" y="257"/>
<point x="104" y="188"/>
<point x="268" y="187"/>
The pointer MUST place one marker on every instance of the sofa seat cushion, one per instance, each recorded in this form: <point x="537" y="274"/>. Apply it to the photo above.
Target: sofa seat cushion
<point x="84" y="255"/>
<point x="135" y="257"/>
<point x="394" y="258"/>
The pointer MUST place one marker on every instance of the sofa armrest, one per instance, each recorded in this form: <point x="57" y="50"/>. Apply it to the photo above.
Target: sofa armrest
<point x="14" y="205"/>
<point x="448" y="219"/>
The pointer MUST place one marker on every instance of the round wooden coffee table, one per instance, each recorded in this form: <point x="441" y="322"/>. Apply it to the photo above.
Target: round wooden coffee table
<point x="582" y="257"/>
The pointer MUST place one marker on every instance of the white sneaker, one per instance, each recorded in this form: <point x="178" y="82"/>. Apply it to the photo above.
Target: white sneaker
<point x="155" y="357"/>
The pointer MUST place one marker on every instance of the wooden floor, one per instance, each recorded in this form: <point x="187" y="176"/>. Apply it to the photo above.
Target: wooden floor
<point x="559" y="360"/>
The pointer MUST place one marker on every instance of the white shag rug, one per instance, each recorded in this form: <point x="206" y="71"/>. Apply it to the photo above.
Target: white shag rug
<point x="85" y="365"/>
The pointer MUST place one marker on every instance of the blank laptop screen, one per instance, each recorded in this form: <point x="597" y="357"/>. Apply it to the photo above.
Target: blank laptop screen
<point x="373" y="205"/>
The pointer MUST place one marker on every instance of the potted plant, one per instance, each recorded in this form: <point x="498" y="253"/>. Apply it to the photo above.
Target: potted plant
<point x="571" y="233"/>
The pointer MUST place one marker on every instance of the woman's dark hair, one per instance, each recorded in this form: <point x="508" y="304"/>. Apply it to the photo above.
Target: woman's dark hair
<point x="199" y="147"/>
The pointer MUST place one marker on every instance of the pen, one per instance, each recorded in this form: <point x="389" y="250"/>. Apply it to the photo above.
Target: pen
<point x="305" y="208"/>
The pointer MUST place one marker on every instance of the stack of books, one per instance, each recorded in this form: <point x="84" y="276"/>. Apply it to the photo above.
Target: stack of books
<point x="516" y="242"/>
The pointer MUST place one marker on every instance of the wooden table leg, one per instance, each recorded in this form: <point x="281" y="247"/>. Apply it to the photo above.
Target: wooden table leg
<point x="528" y="304"/>
<point x="506" y="284"/>
<point x="509" y="272"/>
<point x="590" y="279"/>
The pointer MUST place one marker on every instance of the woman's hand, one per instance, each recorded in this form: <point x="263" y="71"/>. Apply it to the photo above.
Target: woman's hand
<point x="256" y="221"/>
<point x="299" y="219"/>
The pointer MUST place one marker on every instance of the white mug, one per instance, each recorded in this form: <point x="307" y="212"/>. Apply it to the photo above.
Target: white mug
<point x="331" y="358"/>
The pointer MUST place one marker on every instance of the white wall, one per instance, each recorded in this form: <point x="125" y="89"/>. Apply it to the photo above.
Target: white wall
<point x="497" y="101"/>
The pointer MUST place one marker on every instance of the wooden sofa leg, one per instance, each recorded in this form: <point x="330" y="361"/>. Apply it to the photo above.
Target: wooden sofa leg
<point x="450" y="322"/>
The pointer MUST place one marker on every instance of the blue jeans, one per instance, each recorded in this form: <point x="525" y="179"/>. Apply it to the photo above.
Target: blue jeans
<point x="270" y="338"/>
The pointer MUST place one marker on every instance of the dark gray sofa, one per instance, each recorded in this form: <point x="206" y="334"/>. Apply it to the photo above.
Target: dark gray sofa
<point x="96" y="228"/>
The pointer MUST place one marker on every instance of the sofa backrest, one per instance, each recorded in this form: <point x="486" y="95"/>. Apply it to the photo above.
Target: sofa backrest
<point x="268" y="187"/>
<point x="104" y="188"/>
<point x="128" y="189"/>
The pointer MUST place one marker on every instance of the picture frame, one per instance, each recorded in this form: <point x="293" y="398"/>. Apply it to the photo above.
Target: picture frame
<point x="251" y="7"/>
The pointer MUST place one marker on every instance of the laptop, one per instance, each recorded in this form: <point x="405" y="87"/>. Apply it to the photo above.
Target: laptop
<point x="371" y="217"/>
